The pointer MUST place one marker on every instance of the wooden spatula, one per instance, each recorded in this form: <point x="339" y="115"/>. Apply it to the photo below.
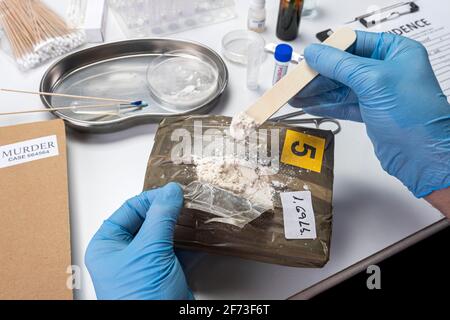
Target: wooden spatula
<point x="295" y="81"/>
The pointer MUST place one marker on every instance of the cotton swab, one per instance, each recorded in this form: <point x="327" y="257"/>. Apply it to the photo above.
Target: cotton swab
<point x="50" y="94"/>
<point x="142" y="105"/>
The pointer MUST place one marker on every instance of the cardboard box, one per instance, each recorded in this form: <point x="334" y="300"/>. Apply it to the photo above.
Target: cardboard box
<point x="34" y="212"/>
<point x="95" y="20"/>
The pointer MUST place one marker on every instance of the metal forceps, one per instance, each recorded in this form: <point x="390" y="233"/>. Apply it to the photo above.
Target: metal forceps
<point x="317" y="122"/>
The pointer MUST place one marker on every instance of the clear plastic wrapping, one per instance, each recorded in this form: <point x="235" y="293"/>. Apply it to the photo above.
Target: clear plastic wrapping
<point x="227" y="207"/>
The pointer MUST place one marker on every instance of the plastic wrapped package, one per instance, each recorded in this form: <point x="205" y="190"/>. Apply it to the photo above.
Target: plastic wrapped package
<point x="218" y="219"/>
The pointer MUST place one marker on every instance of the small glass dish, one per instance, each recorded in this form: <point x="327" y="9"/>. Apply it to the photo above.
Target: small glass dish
<point x="182" y="79"/>
<point x="235" y="44"/>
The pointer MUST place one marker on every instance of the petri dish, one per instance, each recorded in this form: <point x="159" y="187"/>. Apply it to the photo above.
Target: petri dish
<point x="182" y="79"/>
<point x="235" y="44"/>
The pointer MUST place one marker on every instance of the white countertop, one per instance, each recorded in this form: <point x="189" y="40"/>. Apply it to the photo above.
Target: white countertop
<point x="371" y="209"/>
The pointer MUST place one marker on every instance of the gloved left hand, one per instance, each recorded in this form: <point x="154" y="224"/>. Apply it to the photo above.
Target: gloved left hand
<point x="132" y="256"/>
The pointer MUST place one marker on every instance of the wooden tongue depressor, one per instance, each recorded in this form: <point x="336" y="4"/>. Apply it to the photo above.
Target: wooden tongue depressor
<point x="295" y="81"/>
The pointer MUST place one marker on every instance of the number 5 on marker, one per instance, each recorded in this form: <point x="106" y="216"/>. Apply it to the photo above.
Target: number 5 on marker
<point x="303" y="151"/>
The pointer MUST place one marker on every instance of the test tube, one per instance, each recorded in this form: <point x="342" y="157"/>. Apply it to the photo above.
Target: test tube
<point x="283" y="56"/>
<point x="254" y="59"/>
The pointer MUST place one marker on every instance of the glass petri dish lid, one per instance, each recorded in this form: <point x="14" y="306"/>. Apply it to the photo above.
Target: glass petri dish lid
<point x="235" y="44"/>
<point x="182" y="79"/>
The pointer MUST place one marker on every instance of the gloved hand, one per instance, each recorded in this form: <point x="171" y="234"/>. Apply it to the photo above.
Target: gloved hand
<point x="387" y="82"/>
<point x="132" y="256"/>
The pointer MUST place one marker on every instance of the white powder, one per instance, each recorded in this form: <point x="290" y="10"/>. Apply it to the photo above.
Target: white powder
<point x="242" y="126"/>
<point x="278" y="184"/>
<point x="237" y="176"/>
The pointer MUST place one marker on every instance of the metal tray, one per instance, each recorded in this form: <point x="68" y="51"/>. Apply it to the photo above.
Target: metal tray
<point x="118" y="70"/>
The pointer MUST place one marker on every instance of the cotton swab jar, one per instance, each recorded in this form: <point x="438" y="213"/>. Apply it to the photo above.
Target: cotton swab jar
<point x="36" y="33"/>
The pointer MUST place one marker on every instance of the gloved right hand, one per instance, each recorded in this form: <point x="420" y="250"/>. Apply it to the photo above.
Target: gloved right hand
<point x="387" y="82"/>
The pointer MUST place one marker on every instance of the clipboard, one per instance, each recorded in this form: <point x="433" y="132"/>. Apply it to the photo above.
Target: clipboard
<point x="377" y="17"/>
<point x="423" y="21"/>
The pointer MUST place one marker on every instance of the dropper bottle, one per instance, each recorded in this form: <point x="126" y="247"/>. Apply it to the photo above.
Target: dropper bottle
<point x="257" y="16"/>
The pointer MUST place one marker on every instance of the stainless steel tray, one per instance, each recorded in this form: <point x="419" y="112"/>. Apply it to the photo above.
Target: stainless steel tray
<point x="119" y="70"/>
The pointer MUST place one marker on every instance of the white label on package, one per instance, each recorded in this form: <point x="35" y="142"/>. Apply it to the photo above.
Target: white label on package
<point x="30" y="150"/>
<point x="298" y="215"/>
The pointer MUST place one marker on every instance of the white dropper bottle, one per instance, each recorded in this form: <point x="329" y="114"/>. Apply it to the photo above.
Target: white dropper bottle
<point x="257" y="16"/>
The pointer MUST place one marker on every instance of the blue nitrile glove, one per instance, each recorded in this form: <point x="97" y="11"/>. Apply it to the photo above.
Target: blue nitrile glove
<point x="132" y="256"/>
<point x="387" y="82"/>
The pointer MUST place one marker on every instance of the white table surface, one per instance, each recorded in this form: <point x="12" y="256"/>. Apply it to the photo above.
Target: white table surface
<point x="371" y="209"/>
